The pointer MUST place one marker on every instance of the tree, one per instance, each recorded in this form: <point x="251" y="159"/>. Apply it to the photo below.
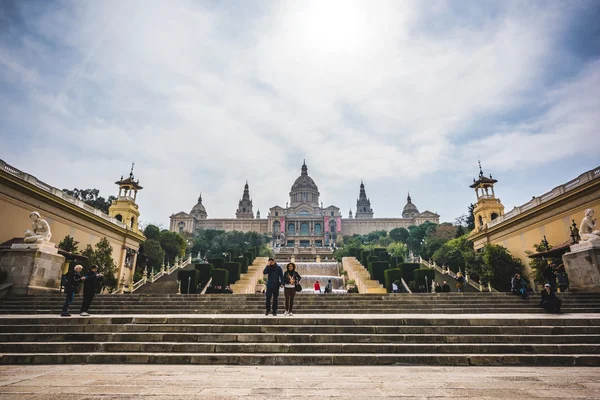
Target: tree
<point x="467" y="220"/>
<point x="399" y="234"/>
<point x="92" y="198"/>
<point x="500" y="266"/>
<point x="444" y="231"/>
<point x="152" y="232"/>
<point x="151" y="255"/>
<point x="69" y="244"/>
<point x="101" y="255"/>
<point x="537" y="265"/>
<point x="398" y="249"/>
<point x="173" y="244"/>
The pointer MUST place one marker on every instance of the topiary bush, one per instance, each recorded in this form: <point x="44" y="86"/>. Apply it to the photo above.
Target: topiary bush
<point x="420" y="275"/>
<point x="205" y="271"/>
<point x="189" y="280"/>
<point x="216" y="262"/>
<point x="243" y="263"/>
<point x="220" y="277"/>
<point x="407" y="270"/>
<point x="235" y="271"/>
<point x="249" y="256"/>
<point x="378" y="250"/>
<point x="384" y="256"/>
<point x="363" y="258"/>
<point x="391" y="275"/>
<point x="377" y="270"/>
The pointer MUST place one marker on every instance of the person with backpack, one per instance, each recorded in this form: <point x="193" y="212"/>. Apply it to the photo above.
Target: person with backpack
<point x="518" y="286"/>
<point x="460" y="282"/>
<point x="72" y="284"/>
<point x="90" y="284"/>
<point x="329" y="287"/>
<point x="291" y="280"/>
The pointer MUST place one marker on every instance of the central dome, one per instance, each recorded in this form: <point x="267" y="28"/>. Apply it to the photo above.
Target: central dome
<point x="304" y="189"/>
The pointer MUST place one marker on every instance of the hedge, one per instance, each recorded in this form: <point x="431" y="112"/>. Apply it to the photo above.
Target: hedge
<point x="216" y="262"/>
<point x="378" y="250"/>
<point x="420" y="275"/>
<point x="384" y="256"/>
<point x="220" y="277"/>
<point x="189" y="278"/>
<point x="377" y="270"/>
<point x="235" y="270"/>
<point x="407" y="270"/>
<point x="395" y="261"/>
<point x="248" y="255"/>
<point x="243" y="263"/>
<point x="363" y="258"/>
<point x="205" y="271"/>
<point x="391" y="275"/>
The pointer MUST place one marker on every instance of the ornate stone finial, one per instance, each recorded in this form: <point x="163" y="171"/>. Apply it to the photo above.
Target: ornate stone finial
<point x="200" y="198"/>
<point x="408" y="199"/>
<point x="480" y="170"/>
<point x="131" y="172"/>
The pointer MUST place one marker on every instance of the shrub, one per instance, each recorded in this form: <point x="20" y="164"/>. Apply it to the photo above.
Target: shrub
<point x="422" y="273"/>
<point x="235" y="271"/>
<point x="189" y="279"/>
<point x="407" y="270"/>
<point x="391" y="275"/>
<point x="377" y="251"/>
<point x="205" y="271"/>
<point x="243" y="263"/>
<point x="343" y="272"/>
<point x="363" y="258"/>
<point x="351" y="282"/>
<point x="249" y="256"/>
<point x="220" y="277"/>
<point x="378" y="268"/>
<point x="217" y="262"/>
<point x="384" y="256"/>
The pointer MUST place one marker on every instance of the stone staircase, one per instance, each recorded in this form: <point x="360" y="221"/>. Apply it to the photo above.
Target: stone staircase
<point x="544" y="340"/>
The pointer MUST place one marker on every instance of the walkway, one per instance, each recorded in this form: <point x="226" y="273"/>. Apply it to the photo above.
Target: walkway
<point x="171" y="382"/>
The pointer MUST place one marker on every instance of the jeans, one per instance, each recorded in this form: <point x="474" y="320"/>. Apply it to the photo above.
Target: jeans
<point x="87" y="301"/>
<point x="70" y="296"/>
<point x="272" y="292"/>
<point x="290" y="293"/>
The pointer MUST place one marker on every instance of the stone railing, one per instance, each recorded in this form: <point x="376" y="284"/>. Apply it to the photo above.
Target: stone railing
<point x="360" y="275"/>
<point x="557" y="191"/>
<point x="447" y="271"/>
<point x="58" y="193"/>
<point x="248" y="281"/>
<point x="165" y="270"/>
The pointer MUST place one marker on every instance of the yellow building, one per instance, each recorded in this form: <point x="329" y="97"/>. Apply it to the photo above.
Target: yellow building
<point x="550" y="214"/>
<point x="21" y="193"/>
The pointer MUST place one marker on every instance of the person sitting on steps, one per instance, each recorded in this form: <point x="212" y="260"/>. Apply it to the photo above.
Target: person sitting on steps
<point x="549" y="300"/>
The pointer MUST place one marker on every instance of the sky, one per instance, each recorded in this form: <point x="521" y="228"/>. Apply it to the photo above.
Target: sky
<point x="204" y="95"/>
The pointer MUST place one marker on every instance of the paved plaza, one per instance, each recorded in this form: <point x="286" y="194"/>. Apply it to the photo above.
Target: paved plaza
<point x="298" y="382"/>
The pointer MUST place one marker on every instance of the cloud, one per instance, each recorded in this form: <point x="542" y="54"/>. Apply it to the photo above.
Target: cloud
<point x="204" y="96"/>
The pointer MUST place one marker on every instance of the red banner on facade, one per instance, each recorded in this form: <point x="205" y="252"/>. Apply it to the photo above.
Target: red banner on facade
<point x="282" y="223"/>
<point x="326" y="222"/>
<point x="339" y="224"/>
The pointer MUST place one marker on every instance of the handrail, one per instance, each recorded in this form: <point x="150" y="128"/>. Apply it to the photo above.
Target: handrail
<point x="206" y="286"/>
<point x="471" y="282"/>
<point x="405" y="286"/>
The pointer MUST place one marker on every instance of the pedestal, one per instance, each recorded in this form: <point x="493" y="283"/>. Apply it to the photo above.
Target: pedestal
<point x="34" y="268"/>
<point x="582" y="265"/>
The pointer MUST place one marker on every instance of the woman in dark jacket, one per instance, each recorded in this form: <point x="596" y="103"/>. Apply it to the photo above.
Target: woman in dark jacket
<point x="290" y="279"/>
<point x="549" y="300"/>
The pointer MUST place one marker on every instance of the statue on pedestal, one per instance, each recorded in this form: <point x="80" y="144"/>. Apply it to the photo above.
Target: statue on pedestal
<point x="586" y="228"/>
<point x="40" y="230"/>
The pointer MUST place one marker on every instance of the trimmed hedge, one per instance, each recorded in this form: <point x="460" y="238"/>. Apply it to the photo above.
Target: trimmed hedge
<point x="216" y="262"/>
<point x="384" y="256"/>
<point x="396" y="261"/>
<point x="422" y="273"/>
<point x="189" y="278"/>
<point x="407" y="270"/>
<point x="391" y="275"/>
<point x="378" y="269"/>
<point x="205" y="271"/>
<point x="363" y="258"/>
<point x="235" y="271"/>
<point x="220" y="277"/>
<point x="248" y="255"/>
<point x="378" y="250"/>
<point x="243" y="263"/>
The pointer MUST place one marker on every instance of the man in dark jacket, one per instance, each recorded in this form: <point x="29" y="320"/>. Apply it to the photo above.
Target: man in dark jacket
<point x="90" y="282"/>
<point x="550" y="276"/>
<point x="274" y="282"/>
<point x="549" y="300"/>
<point x="72" y="285"/>
<point x="445" y="287"/>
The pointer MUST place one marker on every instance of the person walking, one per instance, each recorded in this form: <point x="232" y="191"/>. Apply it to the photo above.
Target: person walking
<point x="329" y="287"/>
<point x="518" y="286"/>
<point x="549" y="300"/>
<point x="395" y="287"/>
<point x="72" y="284"/>
<point x="460" y="282"/>
<point x="274" y="282"/>
<point x="290" y="280"/>
<point x="317" y="287"/>
<point x="550" y="276"/>
<point x="90" y="281"/>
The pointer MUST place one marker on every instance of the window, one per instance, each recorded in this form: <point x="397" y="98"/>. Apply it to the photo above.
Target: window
<point x="332" y="214"/>
<point x="291" y="229"/>
<point x="480" y="221"/>
<point x="277" y="213"/>
<point x="244" y="209"/>
<point x="132" y="222"/>
<point x="304" y="228"/>
<point x="276" y="227"/>
<point x="119" y="217"/>
<point x="365" y="209"/>
<point x="494" y="216"/>
<point x="318" y="229"/>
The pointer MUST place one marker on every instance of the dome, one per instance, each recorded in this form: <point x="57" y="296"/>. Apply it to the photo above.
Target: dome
<point x="410" y="207"/>
<point x="304" y="190"/>
<point x="199" y="209"/>
<point x="410" y="210"/>
<point x="304" y="182"/>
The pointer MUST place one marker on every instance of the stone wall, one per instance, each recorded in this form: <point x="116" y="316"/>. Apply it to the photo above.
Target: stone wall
<point x="31" y="271"/>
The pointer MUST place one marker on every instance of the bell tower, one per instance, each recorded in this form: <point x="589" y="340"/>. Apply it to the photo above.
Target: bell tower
<point x="125" y="208"/>
<point x="488" y="207"/>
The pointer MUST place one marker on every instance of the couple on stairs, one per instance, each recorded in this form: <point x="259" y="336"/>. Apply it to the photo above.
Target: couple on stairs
<point x="276" y="279"/>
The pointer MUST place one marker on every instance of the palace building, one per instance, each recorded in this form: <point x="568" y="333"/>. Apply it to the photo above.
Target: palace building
<point x="304" y="221"/>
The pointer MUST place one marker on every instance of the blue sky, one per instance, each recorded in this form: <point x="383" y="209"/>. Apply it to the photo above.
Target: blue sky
<point x="203" y="95"/>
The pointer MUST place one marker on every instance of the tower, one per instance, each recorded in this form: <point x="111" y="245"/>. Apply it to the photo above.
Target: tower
<point x="125" y="208"/>
<point x="304" y="190"/>
<point x="350" y="214"/>
<point x="258" y="213"/>
<point x="244" y="210"/>
<point x="199" y="211"/>
<point x="410" y="210"/>
<point x="488" y="207"/>
<point x="363" y="204"/>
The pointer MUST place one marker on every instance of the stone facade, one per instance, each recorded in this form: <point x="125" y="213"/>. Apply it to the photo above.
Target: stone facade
<point x="582" y="264"/>
<point x="304" y="221"/>
<point x="31" y="270"/>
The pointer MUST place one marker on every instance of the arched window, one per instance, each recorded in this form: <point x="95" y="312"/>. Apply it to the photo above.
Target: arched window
<point x="494" y="216"/>
<point x="243" y="209"/>
<point x="132" y="222"/>
<point x="332" y="214"/>
<point x="365" y="209"/>
<point x="119" y="217"/>
<point x="276" y="213"/>
<point x="318" y="229"/>
<point x="276" y="227"/>
<point x="480" y="220"/>
<point x="291" y="229"/>
<point x="304" y="228"/>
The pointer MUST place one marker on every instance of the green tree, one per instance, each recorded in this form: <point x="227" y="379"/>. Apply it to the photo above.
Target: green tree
<point x="399" y="234"/>
<point x="173" y="244"/>
<point x="101" y="255"/>
<point x="500" y="266"/>
<point x="537" y="265"/>
<point x="152" y="232"/>
<point x="69" y="244"/>
<point x="467" y="220"/>
<point x="92" y="198"/>
<point x="151" y="255"/>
